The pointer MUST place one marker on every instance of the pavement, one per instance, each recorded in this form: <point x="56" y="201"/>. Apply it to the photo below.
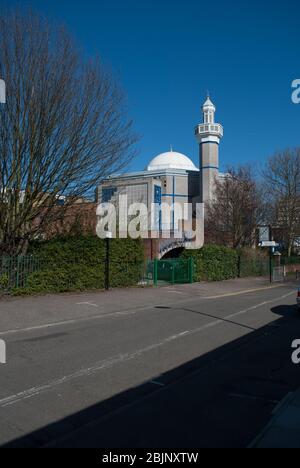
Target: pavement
<point x="283" y="431"/>
<point x="201" y="365"/>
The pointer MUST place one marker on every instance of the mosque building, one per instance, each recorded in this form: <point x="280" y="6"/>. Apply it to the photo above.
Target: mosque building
<point x="170" y="178"/>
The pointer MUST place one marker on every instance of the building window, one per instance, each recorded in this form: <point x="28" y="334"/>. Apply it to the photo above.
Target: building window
<point x="108" y="193"/>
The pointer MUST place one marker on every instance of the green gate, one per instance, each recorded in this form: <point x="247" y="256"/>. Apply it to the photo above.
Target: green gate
<point x="173" y="271"/>
<point x="15" y="270"/>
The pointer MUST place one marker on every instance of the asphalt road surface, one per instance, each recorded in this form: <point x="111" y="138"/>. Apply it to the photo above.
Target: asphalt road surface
<point x="192" y="366"/>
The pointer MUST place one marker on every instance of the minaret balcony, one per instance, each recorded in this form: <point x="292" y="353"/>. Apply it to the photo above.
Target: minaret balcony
<point x="209" y="129"/>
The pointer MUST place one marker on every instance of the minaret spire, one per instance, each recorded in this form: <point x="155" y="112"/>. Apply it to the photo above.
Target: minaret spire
<point x="208" y="110"/>
<point x="208" y="135"/>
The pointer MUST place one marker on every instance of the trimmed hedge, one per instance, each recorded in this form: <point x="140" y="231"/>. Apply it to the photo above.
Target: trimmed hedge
<point x="253" y="263"/>
<point x="78" y="263"/>
<point x="214" y="263"/>
<point x="217" y="263"/>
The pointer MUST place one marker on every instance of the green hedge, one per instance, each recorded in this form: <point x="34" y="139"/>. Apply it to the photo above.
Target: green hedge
<point x="78" y="263"/>
<point x="253" y="263"/>
<point x="217" y="263"/>
<point x="214" y="263"/>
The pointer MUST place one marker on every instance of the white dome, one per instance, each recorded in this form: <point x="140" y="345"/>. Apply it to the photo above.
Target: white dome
<point x="171" y="160"/>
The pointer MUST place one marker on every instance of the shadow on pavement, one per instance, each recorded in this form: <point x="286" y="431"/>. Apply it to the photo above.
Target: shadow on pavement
<point x="221" y="399"/>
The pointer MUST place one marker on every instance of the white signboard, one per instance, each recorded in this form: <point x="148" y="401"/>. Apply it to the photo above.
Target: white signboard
<point x="268" y="244"/>
<point x="2" y="92"/>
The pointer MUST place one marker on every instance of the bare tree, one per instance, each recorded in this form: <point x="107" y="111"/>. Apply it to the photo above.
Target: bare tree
<point x="232" y="217"/>
<point x="64" y="127"/>
<point x="282" y="178"/>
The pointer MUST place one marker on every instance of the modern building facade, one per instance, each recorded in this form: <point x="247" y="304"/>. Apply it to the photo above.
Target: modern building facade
<point x="171" y="178"/>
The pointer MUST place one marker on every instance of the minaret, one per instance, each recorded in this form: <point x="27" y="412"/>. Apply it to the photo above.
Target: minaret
<point x="208" y="135"/>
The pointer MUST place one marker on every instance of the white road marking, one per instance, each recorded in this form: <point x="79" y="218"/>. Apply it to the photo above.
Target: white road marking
<point x="239" y="293"/>
<point x="128" y="313"/>
<point x="87" y="303"/>
<point x="249" y="309"/>
<point x="35" y="391"/>
<point x="68" y="322"/>
<point x="174" y="291"/>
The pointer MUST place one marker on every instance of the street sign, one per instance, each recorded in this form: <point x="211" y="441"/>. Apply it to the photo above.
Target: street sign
<point x="2" y="92"/>
<point x="268" y="244"/>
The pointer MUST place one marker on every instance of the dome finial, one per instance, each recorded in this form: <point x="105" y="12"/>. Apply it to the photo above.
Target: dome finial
<point x="171" y="148"/>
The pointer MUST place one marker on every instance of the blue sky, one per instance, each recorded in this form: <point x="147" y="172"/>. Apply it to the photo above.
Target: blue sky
<point x="168" y="53"/>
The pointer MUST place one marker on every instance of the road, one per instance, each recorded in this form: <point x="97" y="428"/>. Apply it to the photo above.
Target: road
<point x="198" y="365"/>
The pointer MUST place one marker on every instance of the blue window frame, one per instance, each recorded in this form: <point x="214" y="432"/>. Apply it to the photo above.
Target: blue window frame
<point x="108" y="193"/>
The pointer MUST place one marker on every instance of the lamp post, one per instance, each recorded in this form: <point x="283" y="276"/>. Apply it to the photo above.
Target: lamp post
<point x="107" y="259"/>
